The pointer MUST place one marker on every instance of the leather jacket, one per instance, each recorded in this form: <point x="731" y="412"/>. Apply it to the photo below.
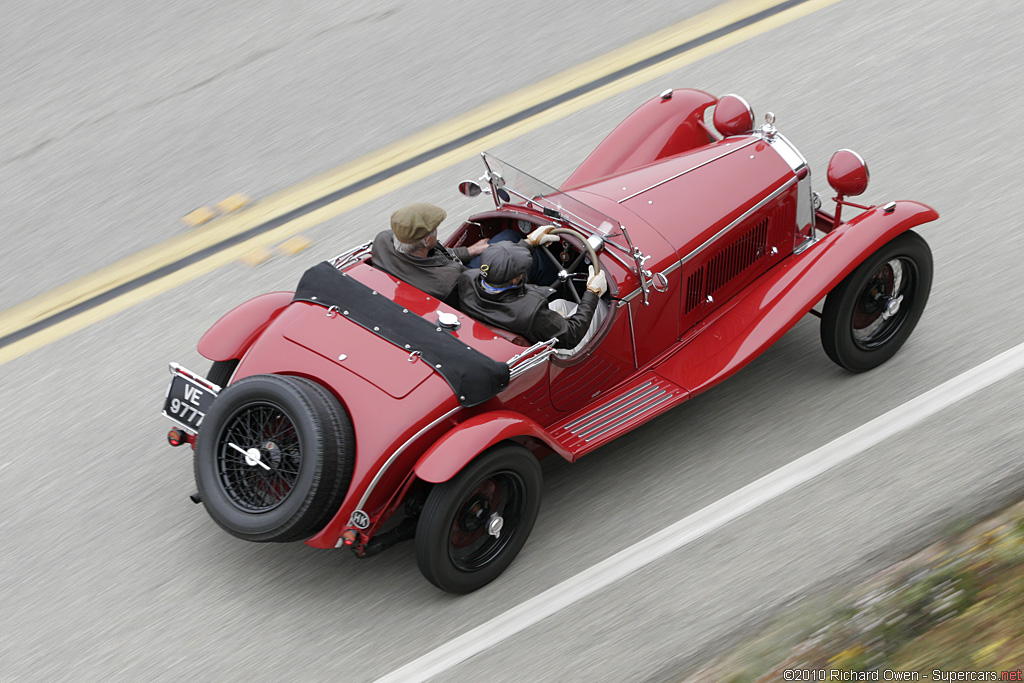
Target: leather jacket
<point x="437" y="274"/>
<point x="524" y="310"/>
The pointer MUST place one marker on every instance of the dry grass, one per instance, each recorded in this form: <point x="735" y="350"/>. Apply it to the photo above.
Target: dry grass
<point x="958" y="606"/>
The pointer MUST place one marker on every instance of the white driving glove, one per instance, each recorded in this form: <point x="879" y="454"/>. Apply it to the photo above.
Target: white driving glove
<point x="540" y="236"/>
<point x="598" y="284"/>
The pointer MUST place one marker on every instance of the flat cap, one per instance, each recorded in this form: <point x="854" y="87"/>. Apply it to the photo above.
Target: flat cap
<point x="416" y="221"/>
<point x="501" y="262"/>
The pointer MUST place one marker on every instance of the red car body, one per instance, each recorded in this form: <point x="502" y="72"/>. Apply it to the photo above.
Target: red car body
<point x="726" y="250"/>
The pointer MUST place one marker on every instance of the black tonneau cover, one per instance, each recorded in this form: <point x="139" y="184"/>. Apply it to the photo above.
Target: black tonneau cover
<point x="473" y="377"/>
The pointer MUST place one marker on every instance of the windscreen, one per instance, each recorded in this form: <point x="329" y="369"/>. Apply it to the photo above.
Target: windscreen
<point x="513" y="186"/>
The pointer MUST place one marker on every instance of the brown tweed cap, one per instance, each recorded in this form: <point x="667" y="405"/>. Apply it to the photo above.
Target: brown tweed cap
<point x="416" y="221"/>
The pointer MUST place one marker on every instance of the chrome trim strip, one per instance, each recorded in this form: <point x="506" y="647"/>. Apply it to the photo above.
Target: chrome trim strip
<point x="790" y="154"/>
<point x="399" y="451"/>
<point x="637" y="403"/>
<point x="637" y="412"/>
<point x="785" y="186"/>
<point x="629" y="297"/>
<point x="671" y="269"/>
<point x="539" y="359"/>
<point x="569" y="427"/>
<point x="177" y="369"/>
<point x="805" y="245"/>
<point x="627" y="418"/>
<point x="632" y="334"/>
<point x="521" y="362"/>
<point x="703" y="163"/>
<point x="599" y="421"/>
<point x="744" y="101"/>
<point x="804" y="211"/>
<point x="353" y="254"/>
<point x="533" y="349"/>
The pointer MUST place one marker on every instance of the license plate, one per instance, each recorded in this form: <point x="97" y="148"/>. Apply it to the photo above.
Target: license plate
<point x="189" y="397"/>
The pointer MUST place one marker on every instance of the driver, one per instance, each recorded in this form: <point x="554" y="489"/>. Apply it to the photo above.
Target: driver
<point x="410" y="251"/>
<point x="497" y="293"/>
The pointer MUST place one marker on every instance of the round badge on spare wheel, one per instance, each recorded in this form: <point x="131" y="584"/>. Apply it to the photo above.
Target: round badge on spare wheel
<point x="733" y="116"/>
<point x="848" y="173"/>
<point x="274" y="458"/>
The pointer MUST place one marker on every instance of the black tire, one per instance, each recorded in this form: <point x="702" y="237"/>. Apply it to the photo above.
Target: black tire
<point x="221" y="371"/>
<point x="455" y="548"/>
<point x="305" y="448"/>
<point x="344" y="451"/>
<point x="871" y="313"/>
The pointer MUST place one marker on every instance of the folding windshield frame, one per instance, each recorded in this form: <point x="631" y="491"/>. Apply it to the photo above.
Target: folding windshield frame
<point x="559" y="206"/>
<point x="511" y="185"/>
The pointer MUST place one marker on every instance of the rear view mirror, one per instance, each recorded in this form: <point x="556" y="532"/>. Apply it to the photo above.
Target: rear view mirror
<point x="470" y="188"/>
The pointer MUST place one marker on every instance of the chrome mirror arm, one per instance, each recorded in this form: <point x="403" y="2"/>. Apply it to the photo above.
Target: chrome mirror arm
<point x="639" y="258"/>
<point x="490" y="177"/>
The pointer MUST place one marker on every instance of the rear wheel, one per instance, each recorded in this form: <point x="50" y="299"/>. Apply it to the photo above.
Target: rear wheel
<point x="273" y="458"/>
<point x="871" y="313"/>
<point x="475" y="524"/>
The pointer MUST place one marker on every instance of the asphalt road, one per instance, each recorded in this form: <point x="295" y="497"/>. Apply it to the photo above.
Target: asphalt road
<point x="116" y="121"/>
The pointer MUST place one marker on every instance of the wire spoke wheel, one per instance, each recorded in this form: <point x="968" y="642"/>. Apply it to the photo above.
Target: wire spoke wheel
<point x="274" y="458"/>
<point x="271" y="431"/>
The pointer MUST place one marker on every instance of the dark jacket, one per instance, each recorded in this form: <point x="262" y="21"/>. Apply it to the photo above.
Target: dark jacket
<point x="437" y="274"/>
<point x="524" y="310"/>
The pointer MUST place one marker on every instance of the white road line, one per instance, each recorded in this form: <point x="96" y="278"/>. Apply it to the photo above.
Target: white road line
<point x="708" y="519"/>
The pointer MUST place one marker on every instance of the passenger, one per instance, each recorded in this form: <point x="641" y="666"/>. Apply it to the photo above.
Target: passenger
<point x="497" y="293"/>
<point x="410" y="251"/>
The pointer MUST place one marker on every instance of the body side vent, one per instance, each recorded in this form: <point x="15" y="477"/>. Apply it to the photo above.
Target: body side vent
<point x="738" y="256"/>
<point x="694" y="290"/>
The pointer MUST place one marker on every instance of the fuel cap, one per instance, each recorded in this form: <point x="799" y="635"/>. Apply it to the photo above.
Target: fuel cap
<point x="449" y="321"/>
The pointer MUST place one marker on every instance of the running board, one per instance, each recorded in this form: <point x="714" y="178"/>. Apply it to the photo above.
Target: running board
<point x="624" y="410"/>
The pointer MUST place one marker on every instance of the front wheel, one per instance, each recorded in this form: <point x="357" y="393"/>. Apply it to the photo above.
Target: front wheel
<point x="871" y="313"/>
<point x="475" y="524"/>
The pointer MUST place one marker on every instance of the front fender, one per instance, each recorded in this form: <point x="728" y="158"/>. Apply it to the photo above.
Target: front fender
<point x="785" y="294"/>
<point x="465" y="441"/>
<point x="660" y="128"/>
<point x="230" y="336"/>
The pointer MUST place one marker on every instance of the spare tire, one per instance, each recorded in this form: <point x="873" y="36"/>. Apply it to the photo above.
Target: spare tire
<point x="274" y="458"/>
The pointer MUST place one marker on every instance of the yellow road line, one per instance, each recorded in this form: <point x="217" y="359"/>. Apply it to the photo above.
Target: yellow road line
<point x="168" y="252"/>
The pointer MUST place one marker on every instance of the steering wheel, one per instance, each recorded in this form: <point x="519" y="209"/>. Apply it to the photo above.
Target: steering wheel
<point x="565" y="273"/>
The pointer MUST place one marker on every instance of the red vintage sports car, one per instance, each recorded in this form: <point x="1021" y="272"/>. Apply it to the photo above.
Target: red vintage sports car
<point x="358" y="411"/>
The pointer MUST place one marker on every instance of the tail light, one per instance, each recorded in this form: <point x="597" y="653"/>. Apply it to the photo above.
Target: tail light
<point x="177" y="437"/>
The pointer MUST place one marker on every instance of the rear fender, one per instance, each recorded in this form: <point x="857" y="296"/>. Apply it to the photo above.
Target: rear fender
<point x="661" y="127"/>
<point x="465" y="441"/>
<point x="238" y="328"/>
<point x="785" y="294"/>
